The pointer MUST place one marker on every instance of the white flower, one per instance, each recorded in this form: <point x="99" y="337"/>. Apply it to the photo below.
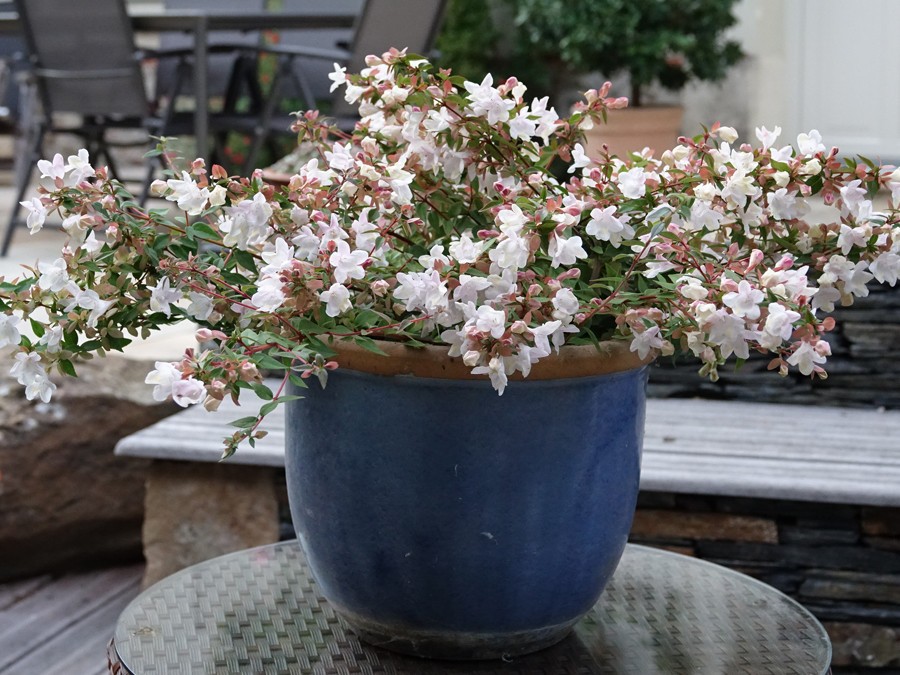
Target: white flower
<point x="37" y="214"/>
<point x="606" y="226"/>
<point x="52" y="339"/>
<point x="269" y="294"/>
<point x="435" y="255"/>
<point x="646" y="341"/>
<point x="522" y="126"/>
<point x="217" y="195"/>
<point x="511" y="253"/>
<point x="730" y="334"/>
<point x="422" y="291"/>
<point x="398" y="181"/>
<point x="347" y="264"/>
<point x="778" y="326"/>
<point x="338" y="77"/>
<point x="497" y="372"/>
<point x="89" y="300"/>
<point x="886" y="268"/>
<point x="336" y="299"/>
<point x="565" y="304"/>
<point x="55" y="170"/>
<point x="9" y="332"/>
<point x="565" y="251"/>
<point x="702" y="216"/>
<point x="189" y="196"/>
<point x="727" y="134"/>
<point x="79" y="167"/>
<point x="744" y="302"/>
<point x="163" y="296"/>
<point x="692" y="288"/>
<point x="852" y="197"/>
<point x="490" y="320"/>
<point x="469" y="288"/>
<point x="511" y="220"/>
<point x="40" y="387"/>
<point x="806" y="358"/>
<point x="163" y="376"/>
<point x="190" y="391"/>
<point x="201" y="306"/>
<point x="54" y="276"/>
<point x="487" y="101"/>
<point x="766" y="137"/>
<point x="341" y="157"/>
<point x="579" y="159"/>
<point x="307" y="243"/>
<point x="811" y="143"/>
<point x="277" y="258"/>
<point x="632" y="183"/>
<point x="464" y="250"/>
<point x="246" y="222"/>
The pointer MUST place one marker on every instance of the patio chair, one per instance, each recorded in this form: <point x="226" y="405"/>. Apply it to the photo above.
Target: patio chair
<point x="381" y="24"/>
<point x="86" y="77"/>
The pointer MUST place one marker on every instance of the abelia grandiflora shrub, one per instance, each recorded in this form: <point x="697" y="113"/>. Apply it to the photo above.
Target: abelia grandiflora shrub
<point x="462" y="214"/>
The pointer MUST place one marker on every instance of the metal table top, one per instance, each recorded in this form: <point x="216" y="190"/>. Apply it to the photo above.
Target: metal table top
<point x="259" y="611"/>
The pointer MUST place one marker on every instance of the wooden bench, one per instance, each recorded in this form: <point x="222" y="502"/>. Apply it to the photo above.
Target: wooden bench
<point x="692" y="446"/>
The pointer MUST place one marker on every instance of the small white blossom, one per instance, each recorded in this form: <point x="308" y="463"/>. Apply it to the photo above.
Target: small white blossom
<point x="163" y="295"/>
<point x="9" y="331"/>
<point x="189" y="391"/>
<point x="336" y="299"/>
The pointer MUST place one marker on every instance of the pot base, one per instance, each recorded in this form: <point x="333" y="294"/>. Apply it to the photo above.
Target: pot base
<point x="457" y="646"/>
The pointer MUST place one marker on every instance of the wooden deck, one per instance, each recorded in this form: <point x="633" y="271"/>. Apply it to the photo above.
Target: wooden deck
<point x="60" y="625"/>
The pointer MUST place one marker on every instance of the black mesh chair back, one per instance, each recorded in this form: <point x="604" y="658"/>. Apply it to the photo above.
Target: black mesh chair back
<point x="383" y="24"/>
<point x="83" y="56"/>
<point x="220" y="62"/>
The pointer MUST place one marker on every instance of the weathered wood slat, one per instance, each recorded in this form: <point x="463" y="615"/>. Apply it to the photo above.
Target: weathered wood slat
<point x="15" y="592"/>
<point x="38" y="619"/>
<point x="731" y="448"/>
<point x="80" y="648"/>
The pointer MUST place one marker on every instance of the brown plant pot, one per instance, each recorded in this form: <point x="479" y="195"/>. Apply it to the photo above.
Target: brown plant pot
<point x="633" y="129"/>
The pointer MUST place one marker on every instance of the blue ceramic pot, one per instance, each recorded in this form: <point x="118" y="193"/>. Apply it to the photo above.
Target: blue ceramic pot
<point x="443" y="520"/>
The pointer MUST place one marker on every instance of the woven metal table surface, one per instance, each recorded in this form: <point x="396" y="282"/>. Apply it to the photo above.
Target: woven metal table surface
<point x="259" y="611"/>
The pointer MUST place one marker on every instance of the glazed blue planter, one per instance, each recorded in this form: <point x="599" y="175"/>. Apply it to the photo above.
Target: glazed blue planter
<point x="443" y="520"/>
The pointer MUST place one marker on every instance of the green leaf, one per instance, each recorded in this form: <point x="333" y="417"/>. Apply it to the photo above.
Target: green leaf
<point x="37" y="327"/>
<point x="66" y="367"/>
<point x="268" y="407"/>
<point x="369" y="345"/>
<point x="244" y="259"/>
<point x="261" y="390"/>
<point x="244" y="422"/>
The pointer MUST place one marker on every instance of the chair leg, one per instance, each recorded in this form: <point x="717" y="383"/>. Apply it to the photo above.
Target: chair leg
<point x="264" y="122"/>
<point x="32" y="156"/>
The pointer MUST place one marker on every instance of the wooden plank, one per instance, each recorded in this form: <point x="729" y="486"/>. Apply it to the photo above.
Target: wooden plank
<point x="56" y="607"/>
<point x="15" y="592"/>
<point x="80" y="648"/>
<point x="734" y="448"/>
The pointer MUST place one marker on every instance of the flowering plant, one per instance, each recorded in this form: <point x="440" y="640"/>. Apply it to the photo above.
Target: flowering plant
<point x="461" y="214"/>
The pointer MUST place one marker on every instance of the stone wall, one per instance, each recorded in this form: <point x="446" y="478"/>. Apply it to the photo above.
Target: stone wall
<point x="65" y="500"/>
<point x="841" y="562"/>
<point x="863" y="371"/>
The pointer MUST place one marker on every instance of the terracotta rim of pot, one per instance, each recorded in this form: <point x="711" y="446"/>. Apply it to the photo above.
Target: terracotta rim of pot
<point x="433" y="361"/>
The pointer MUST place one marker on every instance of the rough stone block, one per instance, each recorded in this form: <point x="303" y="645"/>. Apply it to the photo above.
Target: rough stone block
<point x="866" y="645"/>
<point x="669" y="525"/>
<point x="852" y="586"/>
<point x="881" y="522"/>
<point x="196" y="511"/>
<point x="65" y="500"/>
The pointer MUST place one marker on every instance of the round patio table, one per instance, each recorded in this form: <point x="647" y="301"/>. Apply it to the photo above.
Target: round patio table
<point x="259" y="611"/>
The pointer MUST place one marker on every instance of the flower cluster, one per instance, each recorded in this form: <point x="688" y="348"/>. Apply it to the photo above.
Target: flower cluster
<point x="461" y="214"/>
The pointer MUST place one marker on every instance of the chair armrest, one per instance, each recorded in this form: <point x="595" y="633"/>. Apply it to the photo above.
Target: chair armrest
<point x="340" y="55"/>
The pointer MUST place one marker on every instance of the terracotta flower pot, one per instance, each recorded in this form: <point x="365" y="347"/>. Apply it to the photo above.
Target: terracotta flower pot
<point x="633" y="129"/>
<point x="443" y="520"/>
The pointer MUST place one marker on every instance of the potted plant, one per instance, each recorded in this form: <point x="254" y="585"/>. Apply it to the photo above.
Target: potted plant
<point x="464" y="484"/>
<point x="653" y="42"/>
